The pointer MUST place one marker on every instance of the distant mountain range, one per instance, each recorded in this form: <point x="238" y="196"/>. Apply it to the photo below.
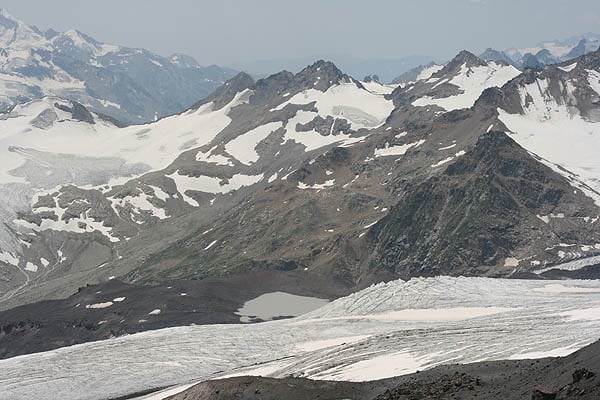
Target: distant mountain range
<point x="131" y="85"/>
<point x="551" y="52"/>
<point x="545" y="53"/>
<point x="385" y="69"/>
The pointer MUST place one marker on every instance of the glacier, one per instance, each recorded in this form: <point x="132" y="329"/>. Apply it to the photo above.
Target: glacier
<point x="410" y="325"/>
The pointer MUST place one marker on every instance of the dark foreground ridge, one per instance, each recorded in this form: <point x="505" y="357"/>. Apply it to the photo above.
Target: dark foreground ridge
<point x="571" y="377"/>
<point x="115" y="308"/>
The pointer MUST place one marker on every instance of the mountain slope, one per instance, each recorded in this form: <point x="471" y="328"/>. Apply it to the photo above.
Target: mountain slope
<point x="425" y="182"/>
<point x="131" y="85"/>
<point x="311" y="172"/>
<point x="123" y="183"/>
<point x="459" y="83"/>
<point x="479" y="214"/>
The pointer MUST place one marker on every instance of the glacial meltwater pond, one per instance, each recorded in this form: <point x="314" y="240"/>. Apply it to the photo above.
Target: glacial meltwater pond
<point x="277" y="305"/>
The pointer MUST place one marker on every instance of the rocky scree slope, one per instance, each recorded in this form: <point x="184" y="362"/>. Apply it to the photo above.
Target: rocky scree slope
<point x="315" y="172"/>
<point x="128" y="192"/>
<point x="432" y="192"/>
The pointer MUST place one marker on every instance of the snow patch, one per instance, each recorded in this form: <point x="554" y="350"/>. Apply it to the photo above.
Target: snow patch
<point x="99" y="305"/>
<point x="568" y="68"/>
<point x="471" y="81"/>
<point x="398" y="150"/>
<point x="318" y="186"/>
<point x="243" y="147"/>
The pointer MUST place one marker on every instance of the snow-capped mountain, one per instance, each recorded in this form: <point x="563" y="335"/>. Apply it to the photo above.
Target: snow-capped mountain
<point x="131" y="85"/>
<point x="552" y="52"/>
<point x="313" y="183"/>
<point x="120" y="182"/>
<point x="494" y="55"/>
<point x="314" y="172"/>
<point x="459" y="83"/>
<point x="543" y="54"/>
<point x="419" y="73"/>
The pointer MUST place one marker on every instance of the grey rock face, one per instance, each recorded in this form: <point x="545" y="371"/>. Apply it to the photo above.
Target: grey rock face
<point x="494" y="55"/>
<point x="545" y="57"/>
<point x="225" y="93"/>
<point x="371" y="78"/>
<point x="578" y="50"/>
<point x="490" y="197"/>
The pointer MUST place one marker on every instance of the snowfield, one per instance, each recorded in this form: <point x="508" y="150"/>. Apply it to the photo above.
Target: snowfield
<point x="471" y="81"/>
<point x="548" y="125"/>
<point x="360" y="107"/>
<point x="42" y="148"/>
<point x="384" y="330"/>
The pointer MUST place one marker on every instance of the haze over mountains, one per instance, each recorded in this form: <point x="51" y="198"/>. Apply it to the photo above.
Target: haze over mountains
<point x="312" y="183"/>
<point x="131" y="85"/>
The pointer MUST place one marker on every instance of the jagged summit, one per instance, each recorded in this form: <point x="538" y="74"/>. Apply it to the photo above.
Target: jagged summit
<point x="495" y="55"/>
<point x="530" y="61"/>
<point x="6" y="16"/>
<point x="545" y="57"/>
<point x="184" y="61"/>
<point x="371" y="78"/>
<point x="73" y="40"/>
<point x="578" y="50"/>
<point x="464" y="58"/>
<point x="225" y="93"/>
<point x="321" y="76"/>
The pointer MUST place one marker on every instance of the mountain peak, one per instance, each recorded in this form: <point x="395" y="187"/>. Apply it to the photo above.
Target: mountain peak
<point x="322" y="75"/>
<point x="242" y="79"/>
<point x="495" y="55"/>
<point x="465" y="57"/>
<point x="184" y="61"/>
<point x="226" y="92"/>
<point x="79" y="40"/>
<point x="531" y="61"/>
<point x="5" y="15"/>
<point x="15" y="33"/>
<point x="578" y="50"/>
<point x="546" y="57"/>
<point x="322" y="66"/>
<point x="371" y="78"/>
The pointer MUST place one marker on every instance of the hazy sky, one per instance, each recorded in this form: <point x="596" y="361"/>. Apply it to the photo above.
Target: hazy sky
<point x="230" y="32"/>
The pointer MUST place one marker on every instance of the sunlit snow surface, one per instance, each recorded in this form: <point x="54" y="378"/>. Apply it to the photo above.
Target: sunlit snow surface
<point x="548" y="123"/>
<point x="374" y="333"/>
<point x="43" y="149"/>
<point x="471" y="81"/>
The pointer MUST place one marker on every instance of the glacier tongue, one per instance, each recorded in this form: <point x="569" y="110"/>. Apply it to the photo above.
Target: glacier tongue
<point x="412" y="325"/>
